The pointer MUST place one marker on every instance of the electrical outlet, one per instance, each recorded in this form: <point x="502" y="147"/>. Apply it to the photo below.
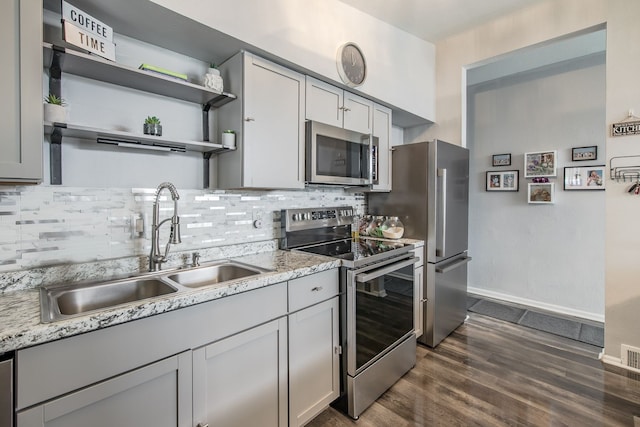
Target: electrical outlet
<point x="137" y="225"/>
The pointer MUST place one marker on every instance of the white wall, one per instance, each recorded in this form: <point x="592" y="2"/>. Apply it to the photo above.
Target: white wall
<point x="308" y="34"/>
<point x="537" y="24"/>
<point x="550" y="256"/>
<point x="622" y="236"/>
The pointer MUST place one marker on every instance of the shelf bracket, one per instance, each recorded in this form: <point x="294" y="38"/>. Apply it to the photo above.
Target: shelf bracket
<point x="55" y="71"/>
<point x="205" y="122"/>
<point x="55" y="157"/>
<point x="205" y="169"/>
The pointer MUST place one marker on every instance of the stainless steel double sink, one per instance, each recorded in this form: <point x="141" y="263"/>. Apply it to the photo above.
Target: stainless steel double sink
<point x="59" y="302"/>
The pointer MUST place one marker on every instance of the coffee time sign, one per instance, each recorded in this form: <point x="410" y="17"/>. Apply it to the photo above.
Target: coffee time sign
<point x="83" y="30"/>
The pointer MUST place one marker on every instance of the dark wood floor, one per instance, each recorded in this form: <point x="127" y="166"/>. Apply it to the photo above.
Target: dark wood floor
<point x="494" y="373"/>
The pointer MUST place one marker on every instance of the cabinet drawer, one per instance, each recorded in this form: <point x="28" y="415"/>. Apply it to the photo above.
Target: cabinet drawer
<point x="310" y="290"/>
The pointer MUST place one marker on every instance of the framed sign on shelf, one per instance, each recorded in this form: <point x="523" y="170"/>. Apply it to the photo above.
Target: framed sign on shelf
<point x="541" y="193"/>
<point x="503" y="180"/>
<point x="540" y="163"/>
<point x="584" y="178"/>
<point x="579" y="154"/>
<point x="501" y="160"/>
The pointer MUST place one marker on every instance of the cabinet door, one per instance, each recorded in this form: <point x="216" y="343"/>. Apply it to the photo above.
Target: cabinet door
<point x="274" y="126"/>
<point x="382" y="130"/>
<point x="314" y="361"/>
<point x="21" y="86"/>
<point x="324" y="102"/>
<point x="358" y="113"/>
<point x="155" y="395"/>
<point x="242" y="380"/>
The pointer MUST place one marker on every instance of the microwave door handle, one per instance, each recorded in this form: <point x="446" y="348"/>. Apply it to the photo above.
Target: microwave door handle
<point x="362" y="278"/>
<point x="370" y="159"/>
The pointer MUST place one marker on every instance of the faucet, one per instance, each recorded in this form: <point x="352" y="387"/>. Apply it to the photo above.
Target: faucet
<point x="155" y="258"/>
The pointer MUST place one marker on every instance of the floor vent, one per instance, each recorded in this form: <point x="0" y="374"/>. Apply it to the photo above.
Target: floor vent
<point x="631" y="356"/>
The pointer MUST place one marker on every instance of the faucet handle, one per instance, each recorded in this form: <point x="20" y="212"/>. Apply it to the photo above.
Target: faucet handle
<point x="195" y="259"/>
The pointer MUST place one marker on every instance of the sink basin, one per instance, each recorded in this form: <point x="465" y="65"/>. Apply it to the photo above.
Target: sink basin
<point x="62" y="301"/>
<point x="212" y="274"/>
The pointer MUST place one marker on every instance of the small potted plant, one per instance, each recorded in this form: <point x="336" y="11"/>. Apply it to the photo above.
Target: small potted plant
<point x="54" y="109"/>
<point x="152" y="126"/>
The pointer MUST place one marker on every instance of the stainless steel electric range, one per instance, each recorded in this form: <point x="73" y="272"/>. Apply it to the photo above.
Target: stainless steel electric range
<point x="377" y="304"/>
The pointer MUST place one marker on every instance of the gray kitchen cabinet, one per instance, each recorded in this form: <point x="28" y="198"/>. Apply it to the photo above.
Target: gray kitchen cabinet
<point x="242" y="380"/>
<point x="314" y="346"/>
<point x="382" y="130"/>
<point x="154" y="395"/>
<point x="21" y="86"/>
<point x="331" y="105"/>
<point x="269" y="123"/>
<point x="52" y="371"/>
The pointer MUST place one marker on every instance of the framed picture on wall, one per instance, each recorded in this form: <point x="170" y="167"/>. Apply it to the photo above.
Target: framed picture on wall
<point x="503" y="180"/>
<point x="501" y="160"/>
<point x="540" y="163"/>
<point x="584" y="178"/>
<point x="579" y="154"/>
<point x="541" y="193"/>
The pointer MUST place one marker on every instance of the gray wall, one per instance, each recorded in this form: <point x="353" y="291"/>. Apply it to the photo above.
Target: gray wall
<point x="550" y="256"/>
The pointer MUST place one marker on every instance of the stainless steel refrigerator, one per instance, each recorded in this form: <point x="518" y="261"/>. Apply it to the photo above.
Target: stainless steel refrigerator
<point x="430" y="194"/>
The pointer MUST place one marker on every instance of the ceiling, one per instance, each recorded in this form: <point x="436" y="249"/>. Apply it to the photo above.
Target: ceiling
<point x="433" y="20"/>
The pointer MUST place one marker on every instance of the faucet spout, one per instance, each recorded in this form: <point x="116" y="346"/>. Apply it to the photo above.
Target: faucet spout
<point x="155" y="257"/>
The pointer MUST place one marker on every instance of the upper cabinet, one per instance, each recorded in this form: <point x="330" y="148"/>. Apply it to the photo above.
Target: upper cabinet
<point x="268" y="122"/>
<point x="21" y="85"/>
<point x="382" y="131"/>
<point x="334" y="106"/>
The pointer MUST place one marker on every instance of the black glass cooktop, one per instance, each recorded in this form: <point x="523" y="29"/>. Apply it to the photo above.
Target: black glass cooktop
<point x="355" y="249"/>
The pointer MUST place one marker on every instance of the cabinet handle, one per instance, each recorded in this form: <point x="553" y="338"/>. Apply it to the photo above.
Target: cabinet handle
<point x="203" y="425"/>
<point x="346" y="110"/>
<point x="316" y="289"/>
<point x="249" y="119"/>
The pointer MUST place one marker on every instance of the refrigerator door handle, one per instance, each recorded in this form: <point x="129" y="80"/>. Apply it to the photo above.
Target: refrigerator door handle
<point x="440" y="246"/>
<point x="454" y="265"/>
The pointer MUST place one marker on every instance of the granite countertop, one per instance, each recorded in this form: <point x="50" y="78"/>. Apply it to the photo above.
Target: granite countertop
<point x="20" y="324"/>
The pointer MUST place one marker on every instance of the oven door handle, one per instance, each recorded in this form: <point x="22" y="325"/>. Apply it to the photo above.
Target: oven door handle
<point x="362" y="278"/>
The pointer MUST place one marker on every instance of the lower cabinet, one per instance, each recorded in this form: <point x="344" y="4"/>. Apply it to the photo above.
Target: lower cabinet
<point x="242" y="380"/>
<point x="155" y="395"/>
<point x="272" y="361"/>
<point x="314" y="360"/>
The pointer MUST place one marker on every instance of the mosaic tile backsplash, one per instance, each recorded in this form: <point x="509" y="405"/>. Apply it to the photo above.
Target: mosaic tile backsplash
<point x="48" y="226"/>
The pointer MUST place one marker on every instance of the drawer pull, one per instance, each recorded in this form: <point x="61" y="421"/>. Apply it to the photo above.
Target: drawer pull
<point x="316" y="289"/>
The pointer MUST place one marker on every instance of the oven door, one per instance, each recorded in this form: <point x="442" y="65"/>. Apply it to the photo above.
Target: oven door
<point x="339" y="156"/>
<point x="380" y="310"/>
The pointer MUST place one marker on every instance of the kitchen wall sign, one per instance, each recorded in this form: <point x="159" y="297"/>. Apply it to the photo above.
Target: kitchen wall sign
<point x="629" y="126"/>
<point x="83" y="30"/>
<point x="540" y="163"/>
<point x="625" y="128"/>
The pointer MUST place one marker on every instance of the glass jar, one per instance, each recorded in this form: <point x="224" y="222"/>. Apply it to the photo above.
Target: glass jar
<point x="392" y="228"/>
<point x="375" y="227"/>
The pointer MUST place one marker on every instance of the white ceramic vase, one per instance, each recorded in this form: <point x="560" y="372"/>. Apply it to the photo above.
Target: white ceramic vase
<point x="213" y="80"/>
<point x="55" y="113"/>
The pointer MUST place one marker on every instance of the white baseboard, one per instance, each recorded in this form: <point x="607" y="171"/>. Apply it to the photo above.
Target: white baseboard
<point x="537" y="304"/>
<point x="616" y="361"/>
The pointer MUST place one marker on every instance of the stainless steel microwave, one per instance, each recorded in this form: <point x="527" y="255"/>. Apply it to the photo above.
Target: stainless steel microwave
<point x="340" y="156"/>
